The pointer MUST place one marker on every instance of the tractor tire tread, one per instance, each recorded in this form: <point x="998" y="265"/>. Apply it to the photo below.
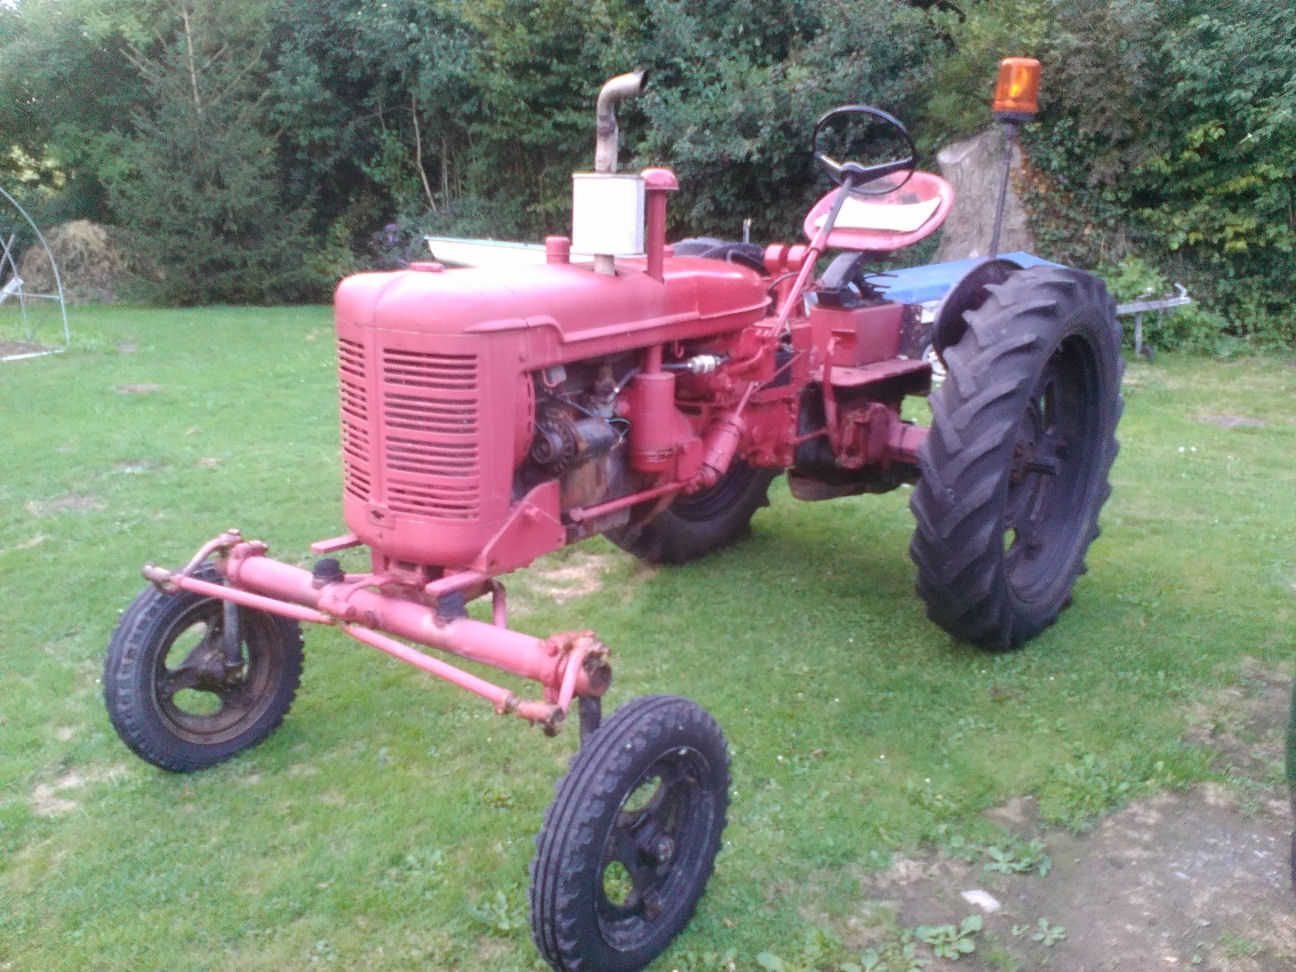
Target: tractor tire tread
<point x="957" y="544"/>
<point x="678" y="534"/>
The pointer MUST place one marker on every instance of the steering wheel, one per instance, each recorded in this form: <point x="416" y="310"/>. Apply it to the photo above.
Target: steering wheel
<point x="855" y="176"/>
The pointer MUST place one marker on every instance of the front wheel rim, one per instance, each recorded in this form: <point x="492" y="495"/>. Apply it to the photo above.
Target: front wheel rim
<point x="196" y="698"/>
<point x="650" y="856"/>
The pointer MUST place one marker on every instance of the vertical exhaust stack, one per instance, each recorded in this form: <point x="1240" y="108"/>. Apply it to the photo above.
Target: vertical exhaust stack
<point x="607" y="208"/>
<point x="606" y="132"/>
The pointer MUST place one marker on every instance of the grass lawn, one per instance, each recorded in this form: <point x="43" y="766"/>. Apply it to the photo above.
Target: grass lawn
<point x="389" y="821"/>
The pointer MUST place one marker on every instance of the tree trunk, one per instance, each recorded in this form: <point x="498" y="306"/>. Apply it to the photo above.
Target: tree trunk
<point x="974" y="168"/>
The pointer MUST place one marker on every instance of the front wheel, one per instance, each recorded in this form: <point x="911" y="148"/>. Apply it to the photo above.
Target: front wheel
<point x="173" y="696"/>
<point x="630" y="840"/>
<point x="1014" y="470"/>
<point x="707" y="520"/>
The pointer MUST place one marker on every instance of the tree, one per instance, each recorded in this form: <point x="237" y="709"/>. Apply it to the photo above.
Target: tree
<point x="1165" y="134"/>
<point x="1221" y="194"/>
<point x="375" y="102"/>
<point x="737" y="89"/>
<point x="222" y="133"/>
<point x="538" y="68"/>
<point x="64" y="84"/>
<point x="200" y="201"/>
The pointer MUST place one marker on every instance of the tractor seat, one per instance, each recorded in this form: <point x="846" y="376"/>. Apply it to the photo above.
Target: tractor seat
<point x="888" y="221"/>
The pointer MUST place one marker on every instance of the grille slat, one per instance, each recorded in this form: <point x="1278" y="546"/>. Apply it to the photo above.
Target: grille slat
<point x="441" y="372"/>
<point x="433" y="500"/>
<point x="415" y="455"/>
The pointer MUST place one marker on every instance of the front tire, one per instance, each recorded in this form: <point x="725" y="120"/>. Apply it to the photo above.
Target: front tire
<point x="1014" y="470"/>
<point x="631" y="838"/>
<point x="695" y="525"/>
<point x="169" y="693"/>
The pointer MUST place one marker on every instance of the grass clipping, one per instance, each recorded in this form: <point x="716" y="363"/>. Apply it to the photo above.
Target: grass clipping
<point x="90" y="265"/>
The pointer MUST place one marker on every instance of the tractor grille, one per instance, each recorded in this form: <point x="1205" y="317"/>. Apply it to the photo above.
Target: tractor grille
<point x="429" y="416"/>
<point x="428" y="425"/>
<point x="430" y="433"/>
<point x="357" y="479"/>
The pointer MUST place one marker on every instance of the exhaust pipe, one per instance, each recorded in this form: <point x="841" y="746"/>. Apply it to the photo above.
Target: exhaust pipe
<point x="607" y="209"/>
<point x="605" y="124"/>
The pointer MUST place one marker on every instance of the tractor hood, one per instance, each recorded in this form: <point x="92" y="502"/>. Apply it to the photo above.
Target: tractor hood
<point x="565" y="310"/>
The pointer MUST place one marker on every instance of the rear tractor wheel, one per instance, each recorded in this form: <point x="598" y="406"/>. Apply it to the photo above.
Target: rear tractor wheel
<point x="1015" y="468"/>
<point x="698" y="524"/>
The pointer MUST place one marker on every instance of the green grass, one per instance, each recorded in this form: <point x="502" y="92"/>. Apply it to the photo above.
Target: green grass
<point x="388" y="823"/>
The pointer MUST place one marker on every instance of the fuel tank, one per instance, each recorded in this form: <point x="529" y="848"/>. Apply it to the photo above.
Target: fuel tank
<point x="436" y="390"/>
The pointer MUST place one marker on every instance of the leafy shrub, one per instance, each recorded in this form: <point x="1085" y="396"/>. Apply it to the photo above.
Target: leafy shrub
<point x="1165" y="131"/>
<point x="1192" y="328"/>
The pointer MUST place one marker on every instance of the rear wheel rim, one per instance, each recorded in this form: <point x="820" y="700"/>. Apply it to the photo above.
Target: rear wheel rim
<point x="1051" y="475"/>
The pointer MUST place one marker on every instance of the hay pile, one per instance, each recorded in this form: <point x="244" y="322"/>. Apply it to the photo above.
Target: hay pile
<point x="90" y="265"/>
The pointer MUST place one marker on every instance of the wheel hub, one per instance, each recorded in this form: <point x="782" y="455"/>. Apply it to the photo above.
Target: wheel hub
<point x="660" y="850"/>
<point x="210" y="670"/>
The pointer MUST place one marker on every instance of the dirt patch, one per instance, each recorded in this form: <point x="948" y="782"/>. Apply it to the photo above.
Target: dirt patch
<point x="35" y="541"/>
<point x="76" y="502"/>
<point x="15" y="348"/>
<point x="50" y="799"/>
<point x="1233" y="421"/>
<point x="574" y="573"/>
<point x="133" y="467"/>
<point x="1183" y="880"/>
<point x="1243" y="724"/>
<point x="578" y="575"/>
<point x="141" y="389"/>
<point x="1178" y="881"/>
<point x="1138" y="374"/>
<point x="47" y="804"/>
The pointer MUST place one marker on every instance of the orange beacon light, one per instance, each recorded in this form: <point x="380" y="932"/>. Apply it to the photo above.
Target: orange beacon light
<point x="1016" y="100"/>
<point x="1016" y="95"/>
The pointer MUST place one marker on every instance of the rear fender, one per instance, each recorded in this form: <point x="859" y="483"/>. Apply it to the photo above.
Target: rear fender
<point x="966" y="295"/>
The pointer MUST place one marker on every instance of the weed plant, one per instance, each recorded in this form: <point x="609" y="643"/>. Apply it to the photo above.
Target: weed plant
<point x="389" y="822"/>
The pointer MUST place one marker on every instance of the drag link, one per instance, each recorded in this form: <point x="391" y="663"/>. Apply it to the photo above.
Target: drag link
<point x="171" y="581"/>
<point x="164" y="580"/>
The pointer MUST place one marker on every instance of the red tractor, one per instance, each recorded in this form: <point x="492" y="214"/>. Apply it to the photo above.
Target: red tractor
<point x="652" y="398"/>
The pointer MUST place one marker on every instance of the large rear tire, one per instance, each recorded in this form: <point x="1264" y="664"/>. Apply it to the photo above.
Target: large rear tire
<point x="705" y="521"/>
<point x="1015" y="468"/>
